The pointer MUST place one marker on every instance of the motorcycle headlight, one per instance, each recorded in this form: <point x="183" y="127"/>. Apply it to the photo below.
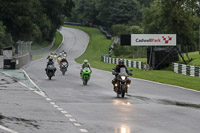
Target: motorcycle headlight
<point x="123" y="77"/>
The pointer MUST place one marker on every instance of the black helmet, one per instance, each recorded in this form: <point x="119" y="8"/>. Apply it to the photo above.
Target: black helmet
<point x="50" y="59"/>
<point x="121" y="62"/>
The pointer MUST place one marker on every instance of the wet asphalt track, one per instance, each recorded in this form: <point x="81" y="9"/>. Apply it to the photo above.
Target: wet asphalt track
<point x="149" y="107"/>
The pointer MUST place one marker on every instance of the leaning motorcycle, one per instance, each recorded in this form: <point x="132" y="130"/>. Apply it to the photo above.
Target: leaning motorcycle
<point x="50" y="71"/>
<point x="85" y="76"/>
<point x="122" y="83"/>
<point x="63" y="68"/>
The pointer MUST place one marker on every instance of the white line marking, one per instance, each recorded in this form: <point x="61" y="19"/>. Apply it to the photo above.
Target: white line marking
<point x="60" y="109"/>
<point x="52" y="103"/>
<point x="40" y="93"/>
<point x="72" y="120"/>
<point x="7" y="129"/>
<point x="84" y="130"/>
<point x="48" y="99"/>
<point x="56" y="106"/>
<point x="40" y="90"/>
<point x="67" y="115"/>
<point x="77" y="124"/>
<point x="64" y="112"/>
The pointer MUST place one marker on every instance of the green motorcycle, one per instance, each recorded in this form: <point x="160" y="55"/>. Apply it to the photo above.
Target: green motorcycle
<point x="85" y="76"/>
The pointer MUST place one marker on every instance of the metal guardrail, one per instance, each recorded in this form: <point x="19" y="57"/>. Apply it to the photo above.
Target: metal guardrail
<point x="129" y="63"/>
<point x="112" y="46"/>
<point x="43" y="50"/>
<point x="193" y="71"/>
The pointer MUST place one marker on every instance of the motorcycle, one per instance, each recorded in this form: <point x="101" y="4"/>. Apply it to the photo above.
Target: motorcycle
<point x="50" y="71"/>
<point x="85" y="76"/>
<point x="122" y="83"/>
<point x="63" y="68"/>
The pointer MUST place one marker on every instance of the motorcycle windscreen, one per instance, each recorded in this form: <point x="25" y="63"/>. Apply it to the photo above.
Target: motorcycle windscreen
<point x="87" y="70"/>
<point x="123" y="71"/>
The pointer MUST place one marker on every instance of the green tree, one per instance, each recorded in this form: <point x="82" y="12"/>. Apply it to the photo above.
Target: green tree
<point x="18" y="17"/>
<point x="119" y="29"/>
<point x="5" y="38"/>
<point x="171" y="17"/>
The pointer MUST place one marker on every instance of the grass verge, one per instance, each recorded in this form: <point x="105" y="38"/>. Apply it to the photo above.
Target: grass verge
<point x="37" y="46"/>
<point x="99" y="44"/>
<point x="58" y="40"/>
<point x="195" y="59"/>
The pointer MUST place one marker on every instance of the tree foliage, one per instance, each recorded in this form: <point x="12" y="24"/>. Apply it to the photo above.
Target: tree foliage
<point x="35" y="20"/>
<point x="172" y="17"/>
<point x="5" y="38"/>
<point x="106" y="12"/>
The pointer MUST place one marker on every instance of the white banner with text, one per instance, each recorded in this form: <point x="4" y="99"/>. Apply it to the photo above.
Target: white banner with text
<point x="153" y="39"/>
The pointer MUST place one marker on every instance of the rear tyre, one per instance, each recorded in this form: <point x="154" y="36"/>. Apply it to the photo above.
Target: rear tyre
<point x="123" y="94"/>
<point x="63" y="73"/>
<point x="85" y="80"/>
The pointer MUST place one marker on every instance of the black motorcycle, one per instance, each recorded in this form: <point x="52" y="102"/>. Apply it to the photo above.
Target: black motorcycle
<point x="122" y="83"/>
<point x="50" y="71"/>
<point x="63" y="68"/>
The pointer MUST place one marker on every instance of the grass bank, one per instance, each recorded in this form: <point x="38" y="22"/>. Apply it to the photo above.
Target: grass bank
<point x="58" y="41"/>
<point x="195" y="56"/>
<point x="99" y="44"/>
<point x="37" y="46"/>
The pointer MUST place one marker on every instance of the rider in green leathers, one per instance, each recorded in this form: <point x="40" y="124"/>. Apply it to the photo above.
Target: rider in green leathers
<point x="85" y="64"/>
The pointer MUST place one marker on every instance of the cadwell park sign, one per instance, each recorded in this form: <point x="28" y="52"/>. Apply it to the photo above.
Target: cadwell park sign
<point x="153" y="39"/>
<point x="149" y="39"/>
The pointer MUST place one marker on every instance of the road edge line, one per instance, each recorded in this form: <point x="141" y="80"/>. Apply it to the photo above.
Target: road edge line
<point x="7" y="129"/>
<point x="166" y="84"/>
<point x="39" y="89"/>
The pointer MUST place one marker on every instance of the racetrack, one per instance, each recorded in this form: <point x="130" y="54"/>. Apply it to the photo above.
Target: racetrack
<point x="149" y="107"/>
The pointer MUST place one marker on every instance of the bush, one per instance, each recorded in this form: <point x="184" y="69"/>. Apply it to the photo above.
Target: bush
<point x="136" y="29"/>
<point x="119" y="29"/>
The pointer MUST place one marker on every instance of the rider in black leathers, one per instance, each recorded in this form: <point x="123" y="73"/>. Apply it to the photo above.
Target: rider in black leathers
<point x="50" y="62"/>
<point x="63" y="60"/>
<point x="117" y="70"/>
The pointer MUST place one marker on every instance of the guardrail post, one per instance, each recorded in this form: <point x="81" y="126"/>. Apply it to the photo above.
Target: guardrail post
<point x="188" y="70"/>
<point x="192" y="72"/>
<point x="196" y="71"/>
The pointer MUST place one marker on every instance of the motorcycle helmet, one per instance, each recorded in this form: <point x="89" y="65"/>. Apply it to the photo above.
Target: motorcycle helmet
<point x="121" y="62"/>
<point x="85" y="61"/>
<point x="50" y="59"/>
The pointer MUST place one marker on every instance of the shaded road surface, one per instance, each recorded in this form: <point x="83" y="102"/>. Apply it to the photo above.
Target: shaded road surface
<point x="149" y="108"/>
<point x="24" y="111"/>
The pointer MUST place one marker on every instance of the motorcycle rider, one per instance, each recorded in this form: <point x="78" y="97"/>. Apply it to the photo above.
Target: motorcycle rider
<point x="63" y="60"/>
<point x="50" y="62"/>
<point x="59" y="58"/>
<point x="117" y="70"/>
<point x="64" y="54"/>
<point x="85" y="64"/>
<point x="50" y="56"/>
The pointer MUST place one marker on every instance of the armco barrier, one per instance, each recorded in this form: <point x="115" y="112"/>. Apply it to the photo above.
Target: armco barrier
<point x="129" y="63"/>
<point x="43" y="50"/>
<point x="186" y="69"/>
